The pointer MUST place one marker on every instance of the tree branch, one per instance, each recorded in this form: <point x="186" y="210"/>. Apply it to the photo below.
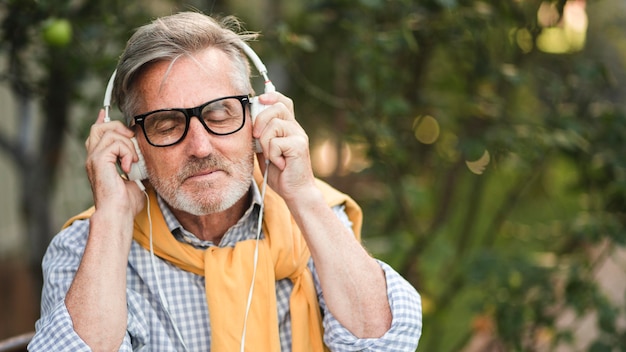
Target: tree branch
<point x="12" y="150"/>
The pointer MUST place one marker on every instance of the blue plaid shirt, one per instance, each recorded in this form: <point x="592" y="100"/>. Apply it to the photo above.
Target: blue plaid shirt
<point x="149" y="327"/>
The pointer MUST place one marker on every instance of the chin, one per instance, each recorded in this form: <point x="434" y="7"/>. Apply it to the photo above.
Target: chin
<point x="203" y="207"/>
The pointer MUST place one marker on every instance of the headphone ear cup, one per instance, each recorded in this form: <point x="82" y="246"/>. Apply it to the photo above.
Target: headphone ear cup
<point x="138" y="170"/>
<point x="255" y="109"/>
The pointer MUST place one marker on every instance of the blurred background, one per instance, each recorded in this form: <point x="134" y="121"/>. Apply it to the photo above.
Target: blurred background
<point x="485" y="141"/>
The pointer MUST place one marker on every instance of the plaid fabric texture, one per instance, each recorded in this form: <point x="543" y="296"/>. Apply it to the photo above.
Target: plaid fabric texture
<point x="149" y="327"/>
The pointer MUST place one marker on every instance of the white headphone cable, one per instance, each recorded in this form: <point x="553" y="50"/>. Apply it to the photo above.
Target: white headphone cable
<point x="255" y="263"/>
<point x="158" y="281"/>
<point x="256" y="256"/>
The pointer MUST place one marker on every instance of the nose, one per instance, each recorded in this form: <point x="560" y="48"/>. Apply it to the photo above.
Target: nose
<point x="198" y="141"/>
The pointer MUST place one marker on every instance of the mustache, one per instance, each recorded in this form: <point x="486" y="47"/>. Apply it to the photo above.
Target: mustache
<point x="195" y="165"/>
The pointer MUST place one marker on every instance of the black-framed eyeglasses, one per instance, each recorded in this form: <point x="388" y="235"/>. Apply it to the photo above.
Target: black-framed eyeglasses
<point x="222" y="116"/>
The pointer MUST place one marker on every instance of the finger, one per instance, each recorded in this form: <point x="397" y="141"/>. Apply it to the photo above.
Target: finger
<point x="276" y="112"/>
<point x="272" y="98"/>
<point x="99" y="120"/>
<point x="102" y="163"/>
<point x="124" y="149"/>
<point x="283" y="150"/>
<point x="276" y="128"/>
<point x="116" y="138"/>
<point x="275" y="153"/>
<point x="99" y="128"/>
<point x="101" y="116"/>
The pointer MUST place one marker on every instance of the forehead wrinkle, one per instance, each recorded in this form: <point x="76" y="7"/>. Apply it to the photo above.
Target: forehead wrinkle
<point x="161" y="88"/>
<point x="191" y="57"/>
<point x="167" y="73"/>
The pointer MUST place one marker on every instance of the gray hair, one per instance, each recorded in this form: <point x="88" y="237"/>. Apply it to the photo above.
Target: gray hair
<point x="168" y="38"/>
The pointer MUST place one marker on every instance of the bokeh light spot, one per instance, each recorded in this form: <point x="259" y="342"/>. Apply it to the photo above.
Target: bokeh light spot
<point x="478" y="166"/>
<point x="426" y="129"/>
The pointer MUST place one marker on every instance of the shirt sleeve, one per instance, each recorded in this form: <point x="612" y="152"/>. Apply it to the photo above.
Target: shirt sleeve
<point x="54" y="329"/>
<point x="406" y="310"/>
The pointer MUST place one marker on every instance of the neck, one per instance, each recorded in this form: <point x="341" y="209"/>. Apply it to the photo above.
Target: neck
<point x="212" y="227"/>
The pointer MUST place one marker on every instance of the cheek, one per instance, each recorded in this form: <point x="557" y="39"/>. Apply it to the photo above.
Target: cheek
<point x="162" y="164"/>
<point x="165" y="163"/>
<point x="235" y="147"/>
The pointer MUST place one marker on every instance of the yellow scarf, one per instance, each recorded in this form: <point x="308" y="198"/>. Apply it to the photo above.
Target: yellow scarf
<point x="283" y="253"/>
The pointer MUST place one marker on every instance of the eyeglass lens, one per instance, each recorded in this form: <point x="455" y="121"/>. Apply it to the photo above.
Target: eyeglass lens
<point x="168" y="127"/>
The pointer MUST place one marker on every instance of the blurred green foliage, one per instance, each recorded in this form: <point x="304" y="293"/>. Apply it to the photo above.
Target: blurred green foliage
<point x="50" y="49"/>
<point x="508" y="237"/>
<point x="491" y="171"/>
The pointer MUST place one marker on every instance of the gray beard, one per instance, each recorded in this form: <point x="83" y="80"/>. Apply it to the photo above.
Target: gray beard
<point x="204" y="203"/>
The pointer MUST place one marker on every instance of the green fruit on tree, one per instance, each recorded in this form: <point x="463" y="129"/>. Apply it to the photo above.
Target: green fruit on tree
<point x="57" y="32"/>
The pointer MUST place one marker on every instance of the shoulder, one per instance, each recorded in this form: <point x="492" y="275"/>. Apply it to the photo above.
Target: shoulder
<point x="332" y="195"/>
<point x="71" y="240"/>
<point x="334" y="198"/>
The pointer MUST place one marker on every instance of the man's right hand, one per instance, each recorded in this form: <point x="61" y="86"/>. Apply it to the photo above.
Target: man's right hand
<point x="107" y="144"/>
